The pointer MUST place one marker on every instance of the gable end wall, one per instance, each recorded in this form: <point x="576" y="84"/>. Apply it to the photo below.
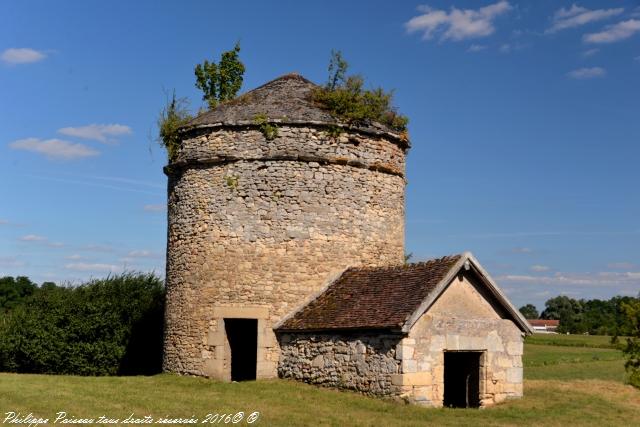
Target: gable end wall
<point x="461" y="320"/>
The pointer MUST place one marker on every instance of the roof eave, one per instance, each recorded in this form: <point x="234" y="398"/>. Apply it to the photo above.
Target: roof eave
<point x="490" y="284"/>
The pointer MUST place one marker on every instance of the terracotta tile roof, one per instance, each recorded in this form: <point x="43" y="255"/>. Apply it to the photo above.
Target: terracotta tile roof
<point x="372" y="298"/>
<point x="544" y="322"/>
<point x="286" y="99"/>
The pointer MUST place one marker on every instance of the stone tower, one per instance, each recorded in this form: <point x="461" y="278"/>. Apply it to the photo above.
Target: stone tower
<point x="257" y="225"/>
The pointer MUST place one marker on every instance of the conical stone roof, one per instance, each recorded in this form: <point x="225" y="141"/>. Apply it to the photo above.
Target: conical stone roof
<point x="287" y="100"/>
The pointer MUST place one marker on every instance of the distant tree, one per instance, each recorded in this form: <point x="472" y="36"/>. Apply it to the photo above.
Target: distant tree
<point x="632" y="348"/>
<point x="14" y="291"/>
<point x="568" y="311"/>
<point x="529" y="311"/>
<point x="104" y="327"/>
<point x="220" y="82"/>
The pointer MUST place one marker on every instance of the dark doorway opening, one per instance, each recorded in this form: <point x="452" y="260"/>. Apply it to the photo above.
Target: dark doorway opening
<point x="242" y="335"/>
<point x="462" y="379"/>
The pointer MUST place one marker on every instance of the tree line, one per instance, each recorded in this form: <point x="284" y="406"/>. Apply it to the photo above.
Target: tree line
<point x="582" y="316"/>
<point x="111" y="326"/>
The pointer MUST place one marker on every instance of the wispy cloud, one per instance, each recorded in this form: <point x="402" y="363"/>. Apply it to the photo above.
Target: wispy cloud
<point x="577" y="16"/>
<point x="90" y="183"/>
<point x="590" y="52"/>
<point x="613" y="33"/>
<point x="621" y="265"/>
<point x="35" y="238"/>
<point x="99" y="248"/>
<point x="539" y="268"/>
<point x="101" y="133"/>
<point x="54" y="148"/>
<point x="10" y="262"/>
<point x="511" y="47"/>
<point x="22" y="55"/>
<point x="95" y="267"/>
<point x="32" y="238"/>
<point x="75" y="257"/>
<point x="576" y="279"/>
<point x="587" y="73"/>
<point x="155" y="208"/>
<point x="457" y="24"/>
<point x="3" y="222"/>
<point x="521" y="250"/>
<point x="476" y="48"/>
<point x="143" y="254"/>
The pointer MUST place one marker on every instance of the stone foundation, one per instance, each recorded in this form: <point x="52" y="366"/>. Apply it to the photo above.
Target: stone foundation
<point x="361" y="362"/>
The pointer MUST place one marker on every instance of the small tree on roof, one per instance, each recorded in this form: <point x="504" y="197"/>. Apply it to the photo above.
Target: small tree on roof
<point x="220" y="82"/>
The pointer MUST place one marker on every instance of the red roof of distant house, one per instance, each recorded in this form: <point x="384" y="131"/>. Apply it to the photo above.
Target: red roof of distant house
<point x="543" y="322"/>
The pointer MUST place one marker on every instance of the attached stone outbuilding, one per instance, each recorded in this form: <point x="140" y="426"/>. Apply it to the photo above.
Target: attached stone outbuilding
<point x="435" y="333"/>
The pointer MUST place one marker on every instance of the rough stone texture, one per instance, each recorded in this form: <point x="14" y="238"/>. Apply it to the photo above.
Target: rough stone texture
<point x="287" y="100"/>
<point x="361" y="361"/>
<point x="461" y="320"/>
<point x="256" y="224"/>
<point x="411" y="366"/>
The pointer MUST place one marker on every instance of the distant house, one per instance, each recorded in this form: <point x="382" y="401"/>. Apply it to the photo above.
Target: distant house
<point x="544" y="326"/>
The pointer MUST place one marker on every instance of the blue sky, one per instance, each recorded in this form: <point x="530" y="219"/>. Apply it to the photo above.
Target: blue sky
<point x="524" y="120"/>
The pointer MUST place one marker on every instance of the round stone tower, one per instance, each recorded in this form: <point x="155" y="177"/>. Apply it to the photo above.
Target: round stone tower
<point x="260" y="221"/>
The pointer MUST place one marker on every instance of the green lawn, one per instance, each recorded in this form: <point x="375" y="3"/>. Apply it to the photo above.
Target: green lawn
<point x="595" y="341"/>
<point x="563" y="385"/>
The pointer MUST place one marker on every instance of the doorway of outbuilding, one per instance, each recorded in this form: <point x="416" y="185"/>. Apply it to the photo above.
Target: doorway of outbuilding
<point x="462" y="379"/>
<point x="242" y="335"/>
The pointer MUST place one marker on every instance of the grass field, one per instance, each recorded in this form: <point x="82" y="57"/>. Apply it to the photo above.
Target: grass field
<point x="572" y="384"/>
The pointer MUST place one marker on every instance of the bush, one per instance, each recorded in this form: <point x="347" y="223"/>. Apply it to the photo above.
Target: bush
<point x="172" y="117"/>
<point x="346" y="99"/>
<point x="632" y="348"/>
<point x="104" y="327"/>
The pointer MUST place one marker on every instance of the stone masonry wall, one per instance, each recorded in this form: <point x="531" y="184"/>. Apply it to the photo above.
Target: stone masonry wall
<point x="364" y="362"/>
<point x="256" y="227"/>
<point x="461" y="320"/>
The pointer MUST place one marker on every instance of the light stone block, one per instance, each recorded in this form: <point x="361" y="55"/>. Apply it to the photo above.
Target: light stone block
<point x="514" y="375"/>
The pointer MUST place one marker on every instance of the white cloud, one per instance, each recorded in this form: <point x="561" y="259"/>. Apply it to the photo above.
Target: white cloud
<point x="539" y="268"/>
<point x="54" y="148"/>
<point x="522" y="250"/>
<point x="590" y="52"/>
<point x="102" y="133"/>
<point x="613" y="33"/>
<point x="99" y="248"/>
<point x="21" y="56"/>
<point x="143" y="254"/>
<point x="33" y="238"/>
<point x="155" y="208"/>
<point x="577" y="279"/>
<point x="621" y="265"/>
<point x="457" y="24"/>
<point x="9" y="261"/>
<point x="81" y="266"/>
<point x="75" y="257"/>
<point x="587" y="73"/>
<point x="577" y="16"/>
<point x="476" y="48"/>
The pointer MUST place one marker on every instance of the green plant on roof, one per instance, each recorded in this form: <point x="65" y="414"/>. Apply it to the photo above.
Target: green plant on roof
<point x="269" y="130"/>
<point x="220" y="82"/>
<point x="173" y="116"/>
<point x="345" y="98"/>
